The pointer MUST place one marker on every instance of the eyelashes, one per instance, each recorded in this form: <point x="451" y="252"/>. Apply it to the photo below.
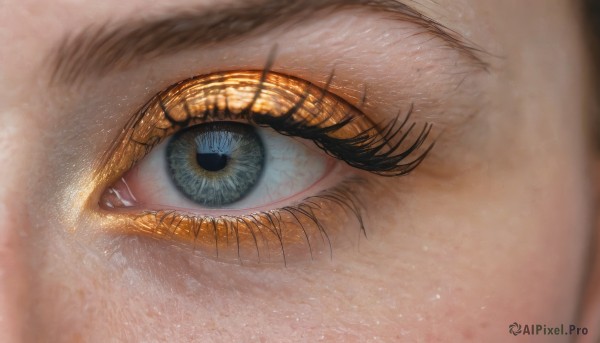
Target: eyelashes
<point x="288" y="105"/>
<point x="291" y="107"/>
<point x="368" y="150"/>
<point x="283" y="235"/>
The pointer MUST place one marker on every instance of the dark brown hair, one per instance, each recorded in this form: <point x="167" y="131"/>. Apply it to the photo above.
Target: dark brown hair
<point x="591" y="12"/>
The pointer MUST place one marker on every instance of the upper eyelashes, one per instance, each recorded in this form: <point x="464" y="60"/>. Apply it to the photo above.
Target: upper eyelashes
<point x="288" y="105"/>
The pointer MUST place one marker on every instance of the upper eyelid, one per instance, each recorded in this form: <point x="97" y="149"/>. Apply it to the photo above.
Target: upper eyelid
<point x="375" y="148"/>
<point x="173" y="98"/>
<point x="99" y="50"/>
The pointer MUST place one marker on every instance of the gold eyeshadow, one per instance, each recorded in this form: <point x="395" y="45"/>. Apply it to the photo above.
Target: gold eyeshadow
<point x="233" y="95"/>
<point x="289" y="234"/>
<point x="288" y="105"/>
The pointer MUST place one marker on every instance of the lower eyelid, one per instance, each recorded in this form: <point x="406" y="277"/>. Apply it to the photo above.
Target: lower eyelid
<point x="301" y="232"/>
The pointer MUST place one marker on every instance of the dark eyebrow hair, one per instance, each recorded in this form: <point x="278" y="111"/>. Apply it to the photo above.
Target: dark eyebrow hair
<point x="101" y="49"/>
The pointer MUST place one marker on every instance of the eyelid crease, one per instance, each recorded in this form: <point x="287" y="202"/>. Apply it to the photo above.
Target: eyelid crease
<point x="281" y="235"/>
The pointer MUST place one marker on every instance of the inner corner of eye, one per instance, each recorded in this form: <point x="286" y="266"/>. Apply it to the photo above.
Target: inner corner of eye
<point x="223" y="165"/>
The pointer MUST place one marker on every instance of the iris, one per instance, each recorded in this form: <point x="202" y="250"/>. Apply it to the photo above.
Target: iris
<point x="216" y="164"/>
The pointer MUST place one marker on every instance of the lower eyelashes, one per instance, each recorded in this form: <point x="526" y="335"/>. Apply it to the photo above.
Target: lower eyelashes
<point x="232" y="184"/>
<point x="289" y="234"/>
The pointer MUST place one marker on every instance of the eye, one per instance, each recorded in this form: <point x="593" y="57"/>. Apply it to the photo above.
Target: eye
<point x="216" y="164"/>
<point x="224" y="164"/>
<point x="250" y="166"/>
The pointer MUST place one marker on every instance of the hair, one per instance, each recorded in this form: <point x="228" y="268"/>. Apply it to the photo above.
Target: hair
<point x="591" y="14"/>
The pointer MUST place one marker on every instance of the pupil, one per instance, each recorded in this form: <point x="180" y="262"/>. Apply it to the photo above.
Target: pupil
<point x="212" y="161"/>
<point x="216" y="164"/>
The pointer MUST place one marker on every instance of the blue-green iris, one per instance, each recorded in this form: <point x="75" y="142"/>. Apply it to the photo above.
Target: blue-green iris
<point x="216" y="164"/>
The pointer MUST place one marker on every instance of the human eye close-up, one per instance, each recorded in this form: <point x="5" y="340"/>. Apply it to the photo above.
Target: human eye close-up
<point x="267" y="191"/>
<point x="300" y="171"/>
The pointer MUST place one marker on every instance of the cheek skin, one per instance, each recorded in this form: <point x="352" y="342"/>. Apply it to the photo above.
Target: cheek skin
<point x="484" y="258"/>
<point x="14" y="288"/>
<point x="501" y="252"/>
<point x="15" y="227"/>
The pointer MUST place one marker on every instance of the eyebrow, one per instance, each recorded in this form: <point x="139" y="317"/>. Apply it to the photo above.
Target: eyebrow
<point x="98" y="50"/>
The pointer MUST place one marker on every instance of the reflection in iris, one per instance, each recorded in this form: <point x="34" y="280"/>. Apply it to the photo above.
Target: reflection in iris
<point x="216" y="164"/>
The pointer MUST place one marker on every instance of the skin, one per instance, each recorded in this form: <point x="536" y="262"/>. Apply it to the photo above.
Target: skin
<point x="497" y="226"/>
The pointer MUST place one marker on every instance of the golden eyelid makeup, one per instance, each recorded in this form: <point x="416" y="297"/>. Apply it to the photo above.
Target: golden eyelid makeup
<point x="206" y="98"/>
<point x="288" y="105"/>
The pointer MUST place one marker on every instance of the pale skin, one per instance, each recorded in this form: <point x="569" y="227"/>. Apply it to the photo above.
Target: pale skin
<point x="496" y="226"/>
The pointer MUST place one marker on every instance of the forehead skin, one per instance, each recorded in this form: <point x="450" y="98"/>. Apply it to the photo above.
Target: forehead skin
<point x="504" y="240"/>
